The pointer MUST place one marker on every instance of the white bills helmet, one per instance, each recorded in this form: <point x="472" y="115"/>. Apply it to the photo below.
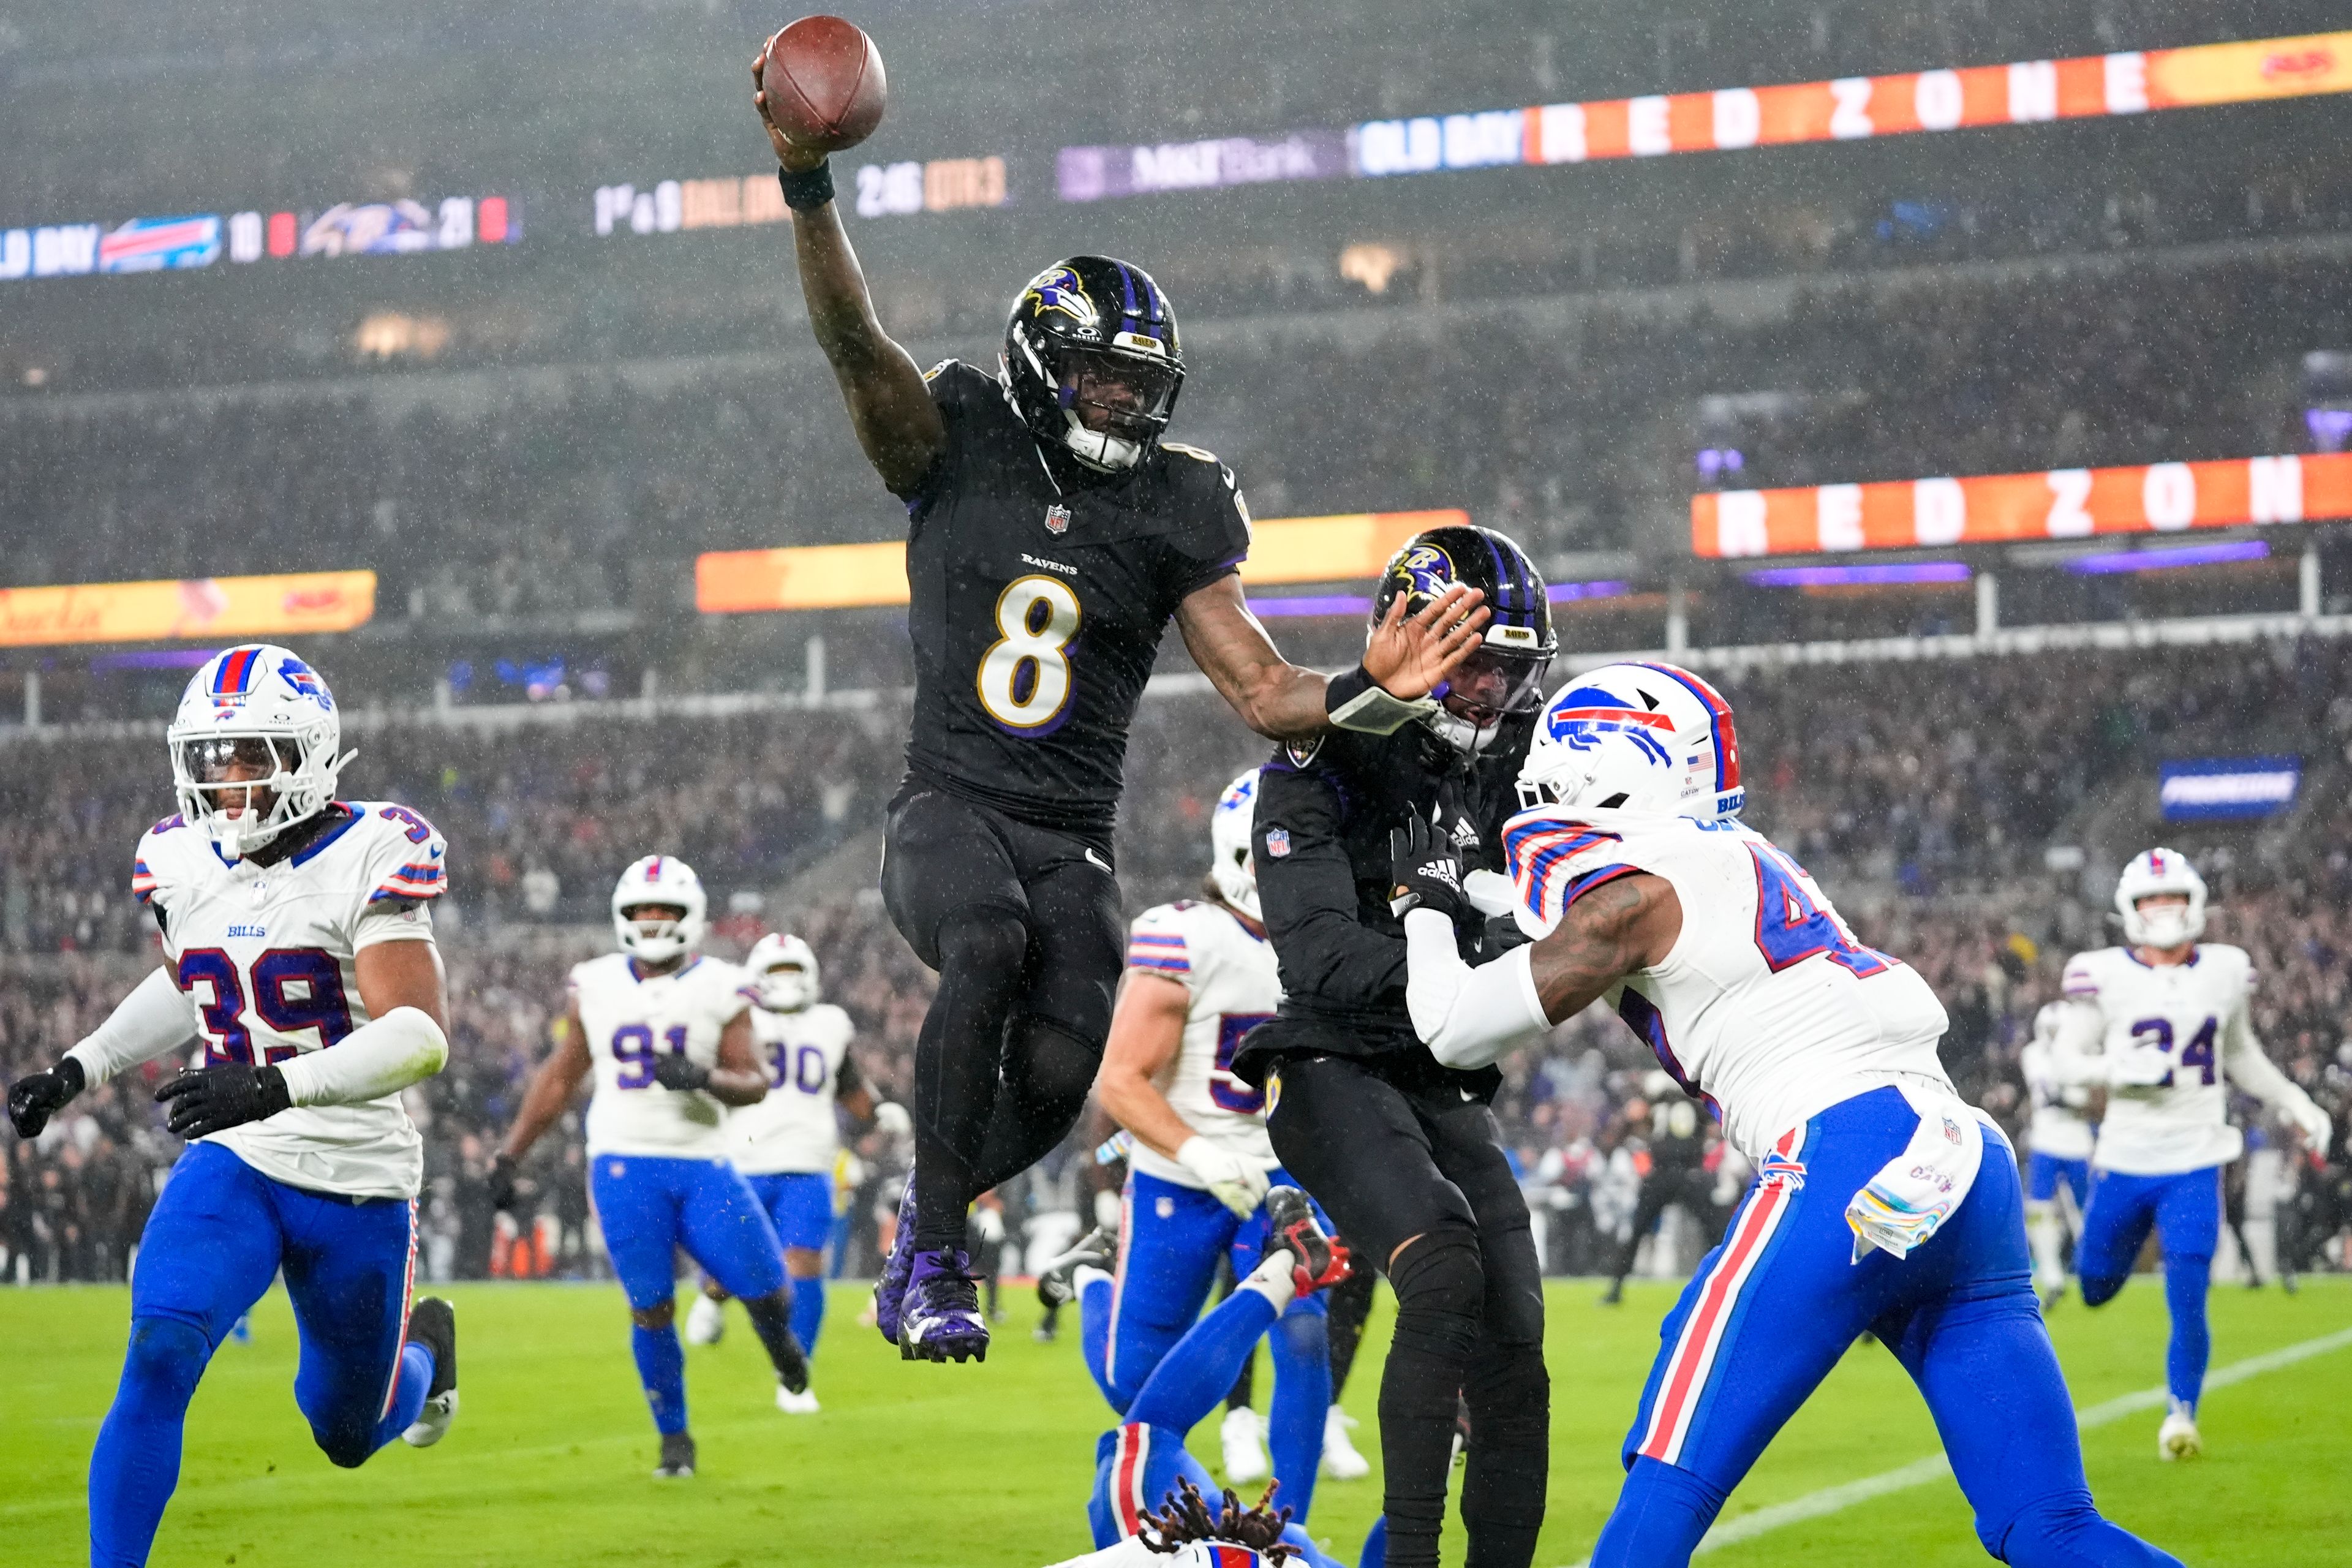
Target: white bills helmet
<point x="2157" y="871"/>
<point x="1229" y="845"/>
<point x="1647" y="738"/>
<point x="256" y="745"/>
<point x="783" y="968"/>
<point x="659" y="879"/>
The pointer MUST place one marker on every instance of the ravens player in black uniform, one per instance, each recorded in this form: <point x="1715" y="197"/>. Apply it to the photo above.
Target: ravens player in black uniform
<point x="1675" y="1128"/>
<point x="1402" y="1152"/>
<point x="1053" y="536"/>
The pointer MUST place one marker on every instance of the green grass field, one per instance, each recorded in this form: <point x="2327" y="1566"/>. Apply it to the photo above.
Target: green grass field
<point x="988" y="1467"/>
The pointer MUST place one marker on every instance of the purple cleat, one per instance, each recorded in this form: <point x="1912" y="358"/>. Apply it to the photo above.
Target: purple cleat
<point x="942" y="1319"/>
<point x="890" y="1289"/>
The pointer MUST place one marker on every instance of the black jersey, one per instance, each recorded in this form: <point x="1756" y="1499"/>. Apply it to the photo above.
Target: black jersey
<point x="1038" y="608"/>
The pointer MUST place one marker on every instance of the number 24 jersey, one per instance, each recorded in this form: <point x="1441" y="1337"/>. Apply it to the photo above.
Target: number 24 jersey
<point x="629" y="1016"/>
<point x="1038" y="609"/>
<point x="1766" y="1004"/>
<point x="2195" y="1016"/>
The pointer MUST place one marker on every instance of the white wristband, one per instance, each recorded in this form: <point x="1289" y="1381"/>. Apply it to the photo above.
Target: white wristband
<point x="403" y="1047"/>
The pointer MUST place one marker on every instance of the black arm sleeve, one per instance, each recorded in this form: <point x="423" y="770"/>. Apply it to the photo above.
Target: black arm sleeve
<point x="1308" y="894"/>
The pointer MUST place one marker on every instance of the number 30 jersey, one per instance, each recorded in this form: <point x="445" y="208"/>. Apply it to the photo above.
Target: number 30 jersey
<point x="2175" y="1116"/>
<point x="794" y="1128"/>
<point x="1038" y="607"/>
<point x="1229" y="976"/>
<point x="630" y="1017"/>
<point x="267" y="957"/>
<point x="1765" y="1006"/>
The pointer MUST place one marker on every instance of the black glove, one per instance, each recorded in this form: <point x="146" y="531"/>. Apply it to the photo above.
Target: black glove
<point x="1426" y="869"/>
<point x="681" y="1073"/>
<point x="501" y="1181"/>
<point x="36" y="1097"/>
<point x="216" y="1099"/>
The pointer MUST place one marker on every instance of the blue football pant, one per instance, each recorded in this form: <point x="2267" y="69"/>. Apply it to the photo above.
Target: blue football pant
<point x="1170" y="1239"/>
<point x="2184" y="1212"/>
<point x="1772" y="1309"/>
<point x="800" y="1206"/>
<point x="217" y="1237"/>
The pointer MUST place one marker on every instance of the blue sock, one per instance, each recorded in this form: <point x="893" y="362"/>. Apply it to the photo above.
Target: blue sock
<point x="1194" y="1377"/>
<point x="1302" y="1402"/>
<point x="1661" y="1516"/>
<point x="808" y="1313"/>
<point x="1094" y="1334"/>
<point x="661" y="1367"/>
<point x="2185" y="1281"/>
<point x="1376" y="1545"/>
<point x="136" y="1463"/>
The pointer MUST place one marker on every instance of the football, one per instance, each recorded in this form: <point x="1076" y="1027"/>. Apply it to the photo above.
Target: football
<point x="824" y="83"/>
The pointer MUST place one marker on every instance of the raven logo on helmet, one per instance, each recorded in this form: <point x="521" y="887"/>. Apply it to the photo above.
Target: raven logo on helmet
<point x="1427" y="572"/>
<point x="1504" y="674"/>
<point x="1060" y="288"/>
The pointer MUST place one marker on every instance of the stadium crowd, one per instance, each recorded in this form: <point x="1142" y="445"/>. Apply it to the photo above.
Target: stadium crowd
<point x="1926" y="797"/>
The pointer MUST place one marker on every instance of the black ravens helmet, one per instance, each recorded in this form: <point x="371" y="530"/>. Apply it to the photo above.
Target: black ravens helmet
<point x="1504" y="675"/>
<point x="1092" y="362"/>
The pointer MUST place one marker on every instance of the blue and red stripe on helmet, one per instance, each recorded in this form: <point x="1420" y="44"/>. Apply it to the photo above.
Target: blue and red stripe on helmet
<point x="233" y="677"/>
<point x="1719" y="725"/>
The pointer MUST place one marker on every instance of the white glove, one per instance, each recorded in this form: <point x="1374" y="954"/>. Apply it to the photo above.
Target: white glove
<point x="989" y="1222"/>
<point x="1237" y="1183"/>
<point x="892" y="1118"/>
<point x="2318" y="1129"/>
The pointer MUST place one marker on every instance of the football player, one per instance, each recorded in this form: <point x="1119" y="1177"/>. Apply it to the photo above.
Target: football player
<point x="1042" y="499"/>
<point x="788" y="1144"/>
<point x="1677" y="1133"/>
<point x="2164" y="1023"/>
<point x="667" y="1032"/>
<point x="2060" y="1139"/>
<point x="1200" y="976"/>
<point x="1882" y="1201"/>
<point x="291" y="921"/>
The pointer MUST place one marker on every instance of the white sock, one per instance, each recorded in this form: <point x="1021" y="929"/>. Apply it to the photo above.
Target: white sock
<point x="2042" y="1230"/>
<point x="1272" y="1278"/>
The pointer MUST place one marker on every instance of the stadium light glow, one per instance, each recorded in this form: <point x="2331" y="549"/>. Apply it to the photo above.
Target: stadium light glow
<point x="1292" y="604"/>
<point x="1569" y="593"/>
<point x="2115" y="561"/>
<point x="1850" y="576"/>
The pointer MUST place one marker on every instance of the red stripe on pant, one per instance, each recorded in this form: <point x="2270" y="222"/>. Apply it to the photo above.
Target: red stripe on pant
<point x="1127" y="1477"/>
<point x="407" y="1300"/>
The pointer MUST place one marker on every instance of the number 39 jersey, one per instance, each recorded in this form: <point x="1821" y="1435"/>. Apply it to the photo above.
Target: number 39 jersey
<point x="794" y="1128"/>
<point x="1038" y="609"/>
<point x="267" y="957"/>
<point x="1229" y="976"/>
<point x="1766" y="1004"/>
<point x="629" y="1018"/>
<point x="2194" y="1014"/>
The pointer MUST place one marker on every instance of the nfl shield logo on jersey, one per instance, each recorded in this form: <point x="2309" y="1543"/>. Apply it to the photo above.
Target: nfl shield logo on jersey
<point x="1277" y="842"/>
<point x="1057" y="520"/>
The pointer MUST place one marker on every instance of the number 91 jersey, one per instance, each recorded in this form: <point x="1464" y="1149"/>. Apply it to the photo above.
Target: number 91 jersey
<point x="1231" y="986"/>
<point x="267" y="957"/>
<point x="1037" y="610"/>
<point x="794" y="1128"/>
<point x="1765" y="1006"/>
<point x="629" y="1016"/>
<point x="2176" y="1116"/>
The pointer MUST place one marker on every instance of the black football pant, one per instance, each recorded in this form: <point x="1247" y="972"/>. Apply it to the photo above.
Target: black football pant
<point x="1693" y="1187"/>
<point x="1413" y="1161"/>
<point x="1023" y="924"/>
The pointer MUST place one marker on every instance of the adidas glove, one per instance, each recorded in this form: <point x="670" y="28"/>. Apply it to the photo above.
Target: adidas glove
<point x="1233" y="1181"/>
<point x="1426" y="869"/>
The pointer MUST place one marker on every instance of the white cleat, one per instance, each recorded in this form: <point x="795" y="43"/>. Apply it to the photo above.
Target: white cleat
<point x="1340" y="1460"/>
<point x="1244" y="1436"/>
<point x="802" y="1404"/>
<point x="2178" y="1438"/>
<point x="706" y="1321"/>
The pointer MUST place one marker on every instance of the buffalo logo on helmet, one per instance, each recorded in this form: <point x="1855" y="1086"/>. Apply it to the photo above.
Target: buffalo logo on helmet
<point x="1578" y="718"/>
<point x="1426" y="572"/>
<point x="1238" y="792"/>
<point x="1058" y="289"/>
<point x="305" y="681"/>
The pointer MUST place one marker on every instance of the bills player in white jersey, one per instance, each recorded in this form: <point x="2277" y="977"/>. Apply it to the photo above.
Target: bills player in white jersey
<point x="1882" y="1203"/>
<point x="668" y="1032"/>
<point x="2060" y="1139"/>
<point x="1200" y="975"/>
<point x="292" y="923"/>
<point x="788" y="1144"/>
<point x="2164" y="1024"/>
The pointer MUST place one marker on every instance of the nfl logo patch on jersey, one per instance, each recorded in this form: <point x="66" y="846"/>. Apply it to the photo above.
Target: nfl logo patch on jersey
<point x="1277" y="842"/>
<point x="1057" y="519"/>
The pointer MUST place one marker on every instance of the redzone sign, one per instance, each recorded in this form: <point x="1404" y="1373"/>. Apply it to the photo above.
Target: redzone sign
<point x="2000" y="508"/>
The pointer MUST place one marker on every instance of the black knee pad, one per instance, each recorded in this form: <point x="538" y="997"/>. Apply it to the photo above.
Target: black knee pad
<point x="987" y="942"/>
<point x="1441" y="1290"/>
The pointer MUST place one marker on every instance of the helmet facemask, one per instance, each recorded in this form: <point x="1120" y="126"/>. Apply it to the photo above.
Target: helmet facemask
<point x="787" y="987"/>
<point x="1490" y="686"/>
<point x="2152" y="876"/>
<point x="1113" y="403"/>
<point x="655" y="930"/>
<point x="243" y="788"/>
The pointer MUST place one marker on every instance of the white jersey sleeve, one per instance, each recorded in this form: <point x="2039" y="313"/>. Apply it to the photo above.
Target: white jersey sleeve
<point x="2162" y="1036"/>
<point x="1230" y="985"/>
<point x="796" y="1128"/>
<point x="2058" y="1127"/>
<point x="629" y="1016"/>
<point x="1765" y="1007"/>
<point x="267" y="957"/>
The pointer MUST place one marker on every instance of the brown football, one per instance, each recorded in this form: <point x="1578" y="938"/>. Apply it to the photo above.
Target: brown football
<point x="824" y="83"/>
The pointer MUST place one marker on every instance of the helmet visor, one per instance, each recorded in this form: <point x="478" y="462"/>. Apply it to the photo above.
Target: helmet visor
<point x="1113" y="394"/>
<point x="225" y="769"/>
<point x="1494" y="681"/>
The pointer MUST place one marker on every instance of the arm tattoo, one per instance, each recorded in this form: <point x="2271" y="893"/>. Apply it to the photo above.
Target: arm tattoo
<point x="1604" y="937"/>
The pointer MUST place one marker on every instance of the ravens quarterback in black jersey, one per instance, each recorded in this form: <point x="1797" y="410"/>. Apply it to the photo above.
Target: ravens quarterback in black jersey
<point x="1053" y="536"/>
<point x="1402" y="1152"/>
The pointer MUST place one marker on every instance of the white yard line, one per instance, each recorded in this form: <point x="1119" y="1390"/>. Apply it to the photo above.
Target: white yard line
<point x="1919" y="1472"/>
